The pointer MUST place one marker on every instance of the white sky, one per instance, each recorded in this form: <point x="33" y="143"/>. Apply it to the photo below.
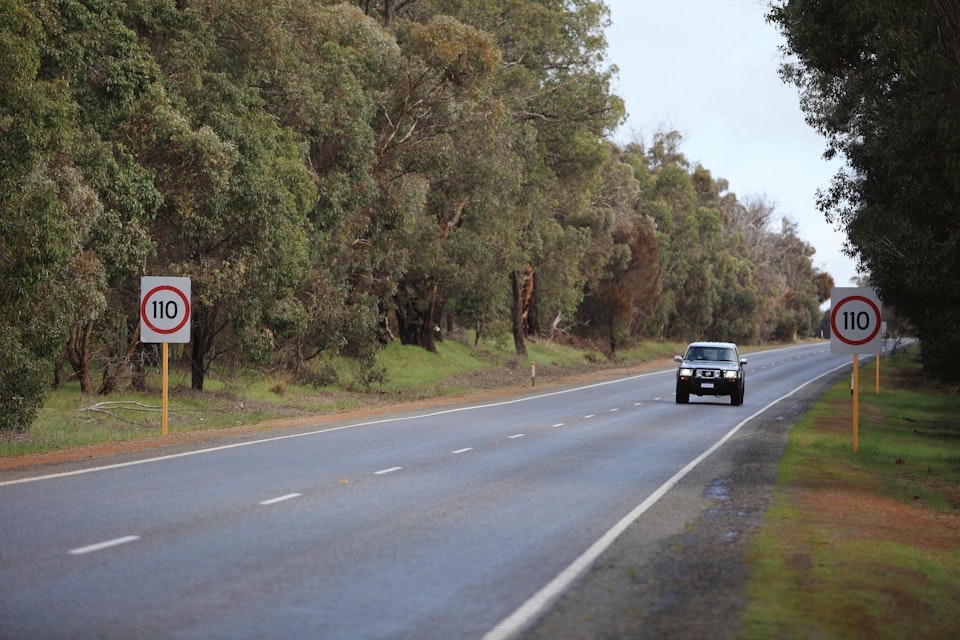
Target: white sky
<point x="708" y="69"/>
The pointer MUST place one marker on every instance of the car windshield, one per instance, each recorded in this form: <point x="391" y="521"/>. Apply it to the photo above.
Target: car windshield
<point x="715" y="354"/>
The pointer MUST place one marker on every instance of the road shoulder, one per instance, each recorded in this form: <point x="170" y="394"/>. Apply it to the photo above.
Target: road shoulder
<point x="681" y="570"/>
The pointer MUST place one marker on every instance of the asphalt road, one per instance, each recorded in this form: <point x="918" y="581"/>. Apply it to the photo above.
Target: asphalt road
<point x="467" y="522"/>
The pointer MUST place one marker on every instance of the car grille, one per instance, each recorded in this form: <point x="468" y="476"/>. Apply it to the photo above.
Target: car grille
<point x="708" y="374"/>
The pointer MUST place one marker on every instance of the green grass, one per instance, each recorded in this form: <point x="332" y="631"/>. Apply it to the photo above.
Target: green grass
<point x="864" y="544"/>
<point x="70" y="419"/>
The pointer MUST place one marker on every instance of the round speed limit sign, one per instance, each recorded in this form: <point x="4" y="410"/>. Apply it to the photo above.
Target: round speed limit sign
<point x="855" y="321"/>
<point x="164" y="309"/>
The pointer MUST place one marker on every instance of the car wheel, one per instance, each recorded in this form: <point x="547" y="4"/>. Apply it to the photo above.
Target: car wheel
<point x="736" y="398"/>
<point x="683" y="397"/>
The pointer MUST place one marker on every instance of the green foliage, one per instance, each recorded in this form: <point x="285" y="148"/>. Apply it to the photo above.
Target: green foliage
<point x="332" y="179"/>
<point x="880" y="82"/>
<point x="45" y="211"/>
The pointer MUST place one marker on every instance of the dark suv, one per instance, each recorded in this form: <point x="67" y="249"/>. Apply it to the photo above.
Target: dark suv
<point x="711" y="369"/>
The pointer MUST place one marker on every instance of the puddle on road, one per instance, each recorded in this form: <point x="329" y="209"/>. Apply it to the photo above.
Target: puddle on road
<point x="719" y="489"/>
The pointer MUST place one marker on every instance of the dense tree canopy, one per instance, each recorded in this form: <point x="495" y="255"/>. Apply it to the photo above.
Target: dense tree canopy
<point x="881" y="80"/>
<point x="334" y="175"/>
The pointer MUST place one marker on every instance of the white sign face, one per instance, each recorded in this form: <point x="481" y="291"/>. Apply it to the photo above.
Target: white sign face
<point x="164" y="309"/>
<point x="855" y="322"/>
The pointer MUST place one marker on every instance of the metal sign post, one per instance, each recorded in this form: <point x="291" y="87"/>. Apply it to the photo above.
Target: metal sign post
<point x="855" y="328"/>
<point x="164" y="318"/>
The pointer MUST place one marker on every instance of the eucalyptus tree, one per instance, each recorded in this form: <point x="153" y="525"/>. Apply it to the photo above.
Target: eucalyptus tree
<point x="557" y="91"/>
<point x="556" y="106"/>
<point x="324" y="73"/>
<point x="881" y="81"/>
<point x="619" y="299"/>
<point x="795" y="264"/>
<point x="735" y="295"/>
<point x="672" y="203"/>
<point x="38" y="228"/>
<point x="80" y="73"/>
<point x="236" y="190"/>
<point x="440" y="125"/>
<point x="752" y="224"/>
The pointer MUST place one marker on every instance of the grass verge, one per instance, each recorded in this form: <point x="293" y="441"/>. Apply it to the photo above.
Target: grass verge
<point x="864" y="544"/>
<point x="70" y="419"/>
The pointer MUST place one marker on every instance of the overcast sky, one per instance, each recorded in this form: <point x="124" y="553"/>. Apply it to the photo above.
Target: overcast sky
<point x="708" y="69"/>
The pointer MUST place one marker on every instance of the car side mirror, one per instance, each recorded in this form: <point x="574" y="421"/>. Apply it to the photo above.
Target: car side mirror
<point x="743" y="361"/>
<point x="678" y="358"/>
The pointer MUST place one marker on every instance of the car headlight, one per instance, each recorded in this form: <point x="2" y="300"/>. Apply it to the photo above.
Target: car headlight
<point x="686" y="373"/>
<point x="730" y="375"/>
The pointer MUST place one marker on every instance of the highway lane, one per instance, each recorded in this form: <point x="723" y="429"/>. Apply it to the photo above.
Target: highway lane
<point x="433" y="526"/>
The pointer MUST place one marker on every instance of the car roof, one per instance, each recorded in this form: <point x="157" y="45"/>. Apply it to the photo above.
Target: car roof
<point x="712" y="344"/>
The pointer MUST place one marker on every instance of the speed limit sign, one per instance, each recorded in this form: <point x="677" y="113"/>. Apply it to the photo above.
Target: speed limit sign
<point x="855" y="322"/>
<point x="164" y="309"/>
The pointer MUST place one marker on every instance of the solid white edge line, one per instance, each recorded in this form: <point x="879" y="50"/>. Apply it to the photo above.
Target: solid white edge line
<point x="464" y="450"/>
<point x="103" y="545"/>
<point x="289" y="496"/>
<point x="539" y="602"/>
<point x="236" y="445"/>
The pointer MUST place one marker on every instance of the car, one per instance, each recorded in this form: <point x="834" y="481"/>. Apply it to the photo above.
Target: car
<point x="711" y="369"/>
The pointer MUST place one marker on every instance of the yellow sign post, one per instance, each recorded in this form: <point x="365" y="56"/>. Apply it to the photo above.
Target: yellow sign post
<point x="166" y="388"/>
<point x="878" y="374"/>
<point x="164" y="318"/>
<point x="856" y="400"/>
<point x="855" y="327"/>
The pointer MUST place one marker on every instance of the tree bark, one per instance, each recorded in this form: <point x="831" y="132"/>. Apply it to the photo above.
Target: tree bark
<point x="517" y="284"/>
<point x="78" y="354"/>
<point x="206" y="326"/>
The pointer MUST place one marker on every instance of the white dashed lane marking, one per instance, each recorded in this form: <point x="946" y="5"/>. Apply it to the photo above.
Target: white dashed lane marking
<point x="103" y="545"/>
<point x="289" y="496"/>
<point x="390" y="470"/>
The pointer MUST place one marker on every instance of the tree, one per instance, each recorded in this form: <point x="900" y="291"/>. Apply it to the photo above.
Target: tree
<point x="440" y="125"/>
<point x="236" y="194"/>
<point x="881" y="81"/>
<point x="559" y="96"/>
<point x="45" y="212"/>
<point x="620" y="298"/>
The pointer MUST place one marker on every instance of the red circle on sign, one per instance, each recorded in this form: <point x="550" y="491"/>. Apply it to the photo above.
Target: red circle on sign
<point x="186" y="307"/>
<point x="833" y="321"/>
